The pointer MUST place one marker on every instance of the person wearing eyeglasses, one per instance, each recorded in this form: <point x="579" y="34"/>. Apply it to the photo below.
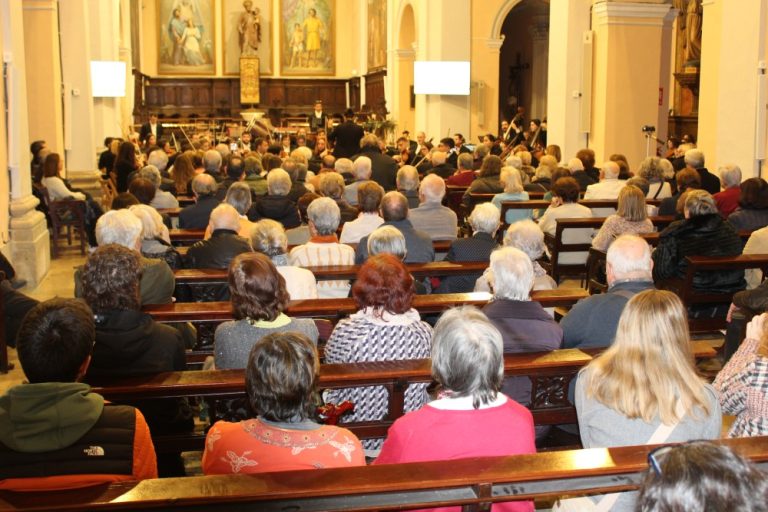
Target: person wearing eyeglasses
<point x="644" y="389"/>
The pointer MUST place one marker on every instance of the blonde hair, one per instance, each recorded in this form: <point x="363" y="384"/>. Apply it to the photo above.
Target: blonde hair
<point x="649" y="370"/>
<point x="513" y="182"/>
<point x="632" y="204"/>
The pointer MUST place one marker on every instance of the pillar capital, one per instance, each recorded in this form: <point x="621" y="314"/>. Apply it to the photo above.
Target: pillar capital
<point x="494" y="43"/>
<point x="633" y="13"/>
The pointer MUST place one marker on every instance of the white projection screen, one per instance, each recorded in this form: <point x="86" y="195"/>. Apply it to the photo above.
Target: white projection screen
<point x="108" y="78"/>
<point x="441" y="77"/>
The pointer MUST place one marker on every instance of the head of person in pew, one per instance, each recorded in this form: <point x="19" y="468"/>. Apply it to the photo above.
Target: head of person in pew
<point x="467" y="364"/>
<point x="702" y="475"/>
<point x="55" y="433"/>
<point x="592" y="322"/>
<point x="280" y="379"/>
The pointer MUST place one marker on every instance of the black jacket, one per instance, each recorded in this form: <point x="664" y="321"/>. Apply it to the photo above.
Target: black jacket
<point x="279" y="208"/>
<point x="218" y="251"/>
<point x="443" y="170"/>
<point x="383" y="167"/>
<point x="196" y="216"/>
<point x="476" y="248"/>
<point x="709" y="181"/>
<point x="346" y="139"/>
<point x="704" y="235"/>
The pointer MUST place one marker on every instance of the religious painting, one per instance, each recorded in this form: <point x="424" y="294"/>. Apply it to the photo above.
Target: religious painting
<point x="186" y="37"/>
<point x="249" y="79"/>
<point x="307" y="40"/>
<point x="247" y="33"/>
<point x="377" y="34"/>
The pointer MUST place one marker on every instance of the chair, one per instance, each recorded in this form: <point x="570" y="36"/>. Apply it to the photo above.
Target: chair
<point x="68" y="214"/>
<point x="108" y="193"/>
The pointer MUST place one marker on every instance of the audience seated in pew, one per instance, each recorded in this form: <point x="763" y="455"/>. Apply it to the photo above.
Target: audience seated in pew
<point x="361" y="168"/>
<point x="300" y="234"/>
<point x="281" y="376"/>
<point x="511" y="178"/>
<point x="753" y="206"/>
<point x="394" y="211"/>
<point x="756" y="244"/>
<point x="156" y="165"/>
<point x="565" y="197"/>
<point x="528" y="237"/>
<point x="524" y="325"/>
<point x="128" y="342"/>
<point x="470" y="417"/>
<point x="742" y="382"/>
<point x="268" y="237"/>
<point x="323" y="247"/>
<point x="687" y="179"/>
<point x="156" y="241"/>
<point x="276" y="205"/>
<point x="55" y="433"/>
<point x="144" y="191"/>
<point x="644" y="389"/>
<point x="431" y="216"/>
<point x="592" y="321"/>
<point x="259" y="297"/>
<point x="652" y="170"/>
<point x="408" y="184"/>
<point x="238" y="196"/>
<point x="702" y="233"/>
<point x="728" y="200"/>
<point x="464" y="175"/>
<point x="609" y="185"/>
<point x="196" y="216"/>
<point x="487" y="181"/>
<point x="389" y="240"/>
<point x="484" y="221"/>
<point x="234" y="171"/>
<point x="332" y="185"/>
<point x="384" y="328"/>
<point x="439" y="166"/>
<point x="631" y="217"/>
<point x="369" y="197"/>
<point x="701" y="475"/>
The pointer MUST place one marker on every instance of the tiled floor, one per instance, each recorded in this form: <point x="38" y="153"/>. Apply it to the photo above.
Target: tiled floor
<point x="58" y="282"/>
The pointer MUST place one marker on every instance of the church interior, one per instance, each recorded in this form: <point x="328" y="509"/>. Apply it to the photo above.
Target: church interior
<point x="542" y="93"/>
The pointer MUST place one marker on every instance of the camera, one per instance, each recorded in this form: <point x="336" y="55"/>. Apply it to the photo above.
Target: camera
<point x="648" y="128"/>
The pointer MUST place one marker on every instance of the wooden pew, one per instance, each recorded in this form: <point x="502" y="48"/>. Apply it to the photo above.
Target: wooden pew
<point x="171" y="212"/>
<point x="472" y="483"/>
<point x="541" y="204"/>
<point x="333" y="272"/>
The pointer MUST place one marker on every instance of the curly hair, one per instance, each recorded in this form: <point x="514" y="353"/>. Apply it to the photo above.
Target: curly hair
<point x="384" y="284"/>
<point x="111" y="279"/>
<point x="256" y="288"/>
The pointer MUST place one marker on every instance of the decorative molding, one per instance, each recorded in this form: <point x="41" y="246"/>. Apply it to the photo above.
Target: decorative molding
<point x="494" y="43"/>
<point x="405" y="53"/>
<point x="501" y="15"/>
<point x="633" y="14"/>
<point x="38" y="5"/>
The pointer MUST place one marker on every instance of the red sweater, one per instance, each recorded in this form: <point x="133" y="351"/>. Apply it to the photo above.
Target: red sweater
<point x="727" y="201"/>
<point x="436" y="434"/>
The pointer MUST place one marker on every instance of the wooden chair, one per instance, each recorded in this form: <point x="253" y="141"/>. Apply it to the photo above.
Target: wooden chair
<point x="68" y="214"/>
<point x="108" y="193"/>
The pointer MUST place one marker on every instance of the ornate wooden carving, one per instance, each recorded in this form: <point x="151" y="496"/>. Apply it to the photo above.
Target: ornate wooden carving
<point x="550" y="391"/>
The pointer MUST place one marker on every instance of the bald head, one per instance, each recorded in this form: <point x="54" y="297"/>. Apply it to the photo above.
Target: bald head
<point x="610" y="170"/>
<point x="629" y="257"/>
<point x="225" y="216"/>
<point x="394" y="206"/>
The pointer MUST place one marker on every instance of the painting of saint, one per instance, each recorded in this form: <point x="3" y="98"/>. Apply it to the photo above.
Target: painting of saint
<point x="377" y="34"/>
<point x="247" y="33"/>
<point x="186" y="41"/>
<point x="307" y="45"/>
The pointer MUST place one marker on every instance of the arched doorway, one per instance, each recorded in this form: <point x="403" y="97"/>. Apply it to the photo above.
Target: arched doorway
<point x="405" y="55"/>
<point x="524" y="59"/>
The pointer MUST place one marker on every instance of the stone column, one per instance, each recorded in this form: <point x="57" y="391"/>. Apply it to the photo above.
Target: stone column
<point x="29" y="239"/>
<point x="539" y="31"/>
<point x="40" y="29"/>
<point x="81" y="138"/>
<point x="568" y="20"/>
<point x="733" y="52"/>
<point x="402" y="98"/>
<point x="630" y="73"/>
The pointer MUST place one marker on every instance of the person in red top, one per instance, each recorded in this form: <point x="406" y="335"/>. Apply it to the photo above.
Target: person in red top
<point x="464" y="175"/>
<point x="280" y="380"/>
<point x="728" y="200"/>
<point x="470" y="417"/>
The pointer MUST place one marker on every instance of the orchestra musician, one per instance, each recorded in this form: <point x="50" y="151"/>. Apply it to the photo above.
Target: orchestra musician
<point x="404" y="155"/>
<point x="318" y="120"/>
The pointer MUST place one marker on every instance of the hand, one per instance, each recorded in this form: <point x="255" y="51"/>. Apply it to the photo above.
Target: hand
<point x="756" y="327"/>
<point x="556" y="201"/>
<point x="730" y="312"/>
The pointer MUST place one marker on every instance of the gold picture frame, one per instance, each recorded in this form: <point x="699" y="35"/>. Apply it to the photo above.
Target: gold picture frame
<point x="307" y="38"/>
<point x="186" y="37"/>
<point x="377" y="35"/>
<point x="238" y="28"/>
<point x="249" y="80"/>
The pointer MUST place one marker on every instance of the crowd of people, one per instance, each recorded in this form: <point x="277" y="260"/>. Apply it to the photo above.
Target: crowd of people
<point x="325" y="193"/>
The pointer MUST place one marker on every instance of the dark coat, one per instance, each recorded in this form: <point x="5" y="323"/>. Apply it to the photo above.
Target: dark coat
<point x="583" y="179"/>
<point x="704" y="235"/>
<point x="709" y="181"/>
<point x="749" y="219"/>
<point x="383" y="167"/>
<point x="278" y="208"/>
<point x="216" y="252"/>
<point x="196" y="216"/>
<point x="476" y="248"/>
<point x="346" y="139"/>
<point x="417" y="243"/>
<point x="487" y="185"/>
<point x="445" y="171"/>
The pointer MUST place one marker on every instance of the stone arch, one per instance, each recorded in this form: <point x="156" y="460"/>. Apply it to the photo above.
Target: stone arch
<point x="501" y="15"/>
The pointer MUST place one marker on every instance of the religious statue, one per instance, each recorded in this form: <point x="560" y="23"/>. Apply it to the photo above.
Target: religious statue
<point x="249" y="28"/>
<point x="691" y="24"/>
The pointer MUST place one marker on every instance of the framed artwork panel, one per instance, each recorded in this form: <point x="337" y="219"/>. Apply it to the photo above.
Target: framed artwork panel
<point x="377" y="34"/>
<point x="186" y="41"/>
<point x="307" y="37"/>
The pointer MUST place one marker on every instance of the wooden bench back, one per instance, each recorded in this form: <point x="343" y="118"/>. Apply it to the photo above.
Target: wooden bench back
<point x="472" y="483"/>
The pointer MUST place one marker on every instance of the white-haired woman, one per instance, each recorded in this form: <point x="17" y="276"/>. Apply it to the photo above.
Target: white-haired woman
<point x="524" y="325"/>
<point x="644" y="389"/>
<point x="155" y="239"/>
<point x="728" y="200"/>
<point x="484" y="220"/>
<point x="323" y="247"/>
<point x="268" y="237"/>
<point x="239" y="197"/>
<point x="470" y="417"/>
<point x="512" y="180"/>
<point x="529" y="238"/>
<point x="276" y="205"/>
<point x="390" y="240"/>
<point x="653" y="170"/>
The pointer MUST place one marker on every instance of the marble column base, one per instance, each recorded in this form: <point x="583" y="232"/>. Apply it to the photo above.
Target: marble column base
<point x="30" y="247"/>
